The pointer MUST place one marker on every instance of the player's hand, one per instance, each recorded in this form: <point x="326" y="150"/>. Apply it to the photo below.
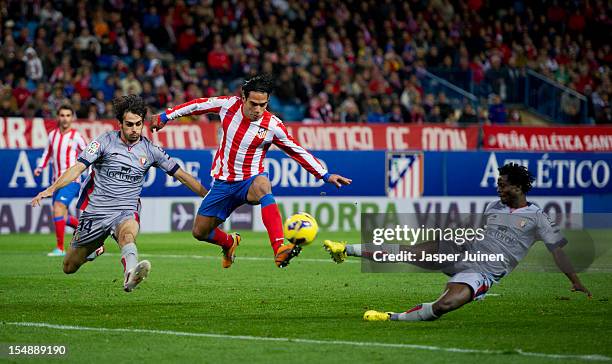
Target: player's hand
<point x="578" y="287"/>
<point x="37" y="171"/>
<point x="155" y="123"/>
<point x="36" y="200"/>
<point x="338" y="180"/>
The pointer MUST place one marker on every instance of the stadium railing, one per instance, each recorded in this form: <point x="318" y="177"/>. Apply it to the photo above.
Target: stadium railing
<point x="457" y="96"/>
<point x="553" y="100"/>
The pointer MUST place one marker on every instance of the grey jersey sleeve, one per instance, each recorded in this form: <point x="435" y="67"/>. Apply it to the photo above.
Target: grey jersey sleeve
<point x="94" y="150"/>
<point x="549" y="232"/>
<point x="162" y="160"/>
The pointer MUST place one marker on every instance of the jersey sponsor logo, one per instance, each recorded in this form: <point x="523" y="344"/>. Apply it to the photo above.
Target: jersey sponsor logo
<point x="93" y="147"/>
<point x="125" y="174"/>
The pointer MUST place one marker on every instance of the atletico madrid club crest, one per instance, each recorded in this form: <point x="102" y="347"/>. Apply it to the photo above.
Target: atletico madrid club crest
<point x="262" y="133"/>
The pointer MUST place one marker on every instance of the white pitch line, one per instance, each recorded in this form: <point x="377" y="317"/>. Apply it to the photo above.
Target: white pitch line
<point x="238" y="258"/>
<point x="592" y="357"/>
<point x="313" y="260"/>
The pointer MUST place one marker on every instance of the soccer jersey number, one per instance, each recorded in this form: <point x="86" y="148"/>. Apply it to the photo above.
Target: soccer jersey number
<point x="85" y="227"/>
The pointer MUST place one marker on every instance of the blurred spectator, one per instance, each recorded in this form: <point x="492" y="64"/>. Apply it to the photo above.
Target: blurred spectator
<point x="219" y="62"/>
<point x="515" y="116"/>
<point x="446" y="110"/>
<point x="130" y="85"/>
<point x="468" y="115"/>
<point x="497" y="110"/>
<point x="57" y="98"/>
<point x="570" y="108"/>
<point x="21" y="93"/>
<point x="8" y="103"/>
<point x="396" y="115"/>
<point x="417" y="115"/>
<point x="367" y="52"/>
<point x="320" y="110"/>
<point x="349" y="111"/>
<point x="34" y="67"/>
<point x="434" y="115"/>
<point x="375" y="113"/>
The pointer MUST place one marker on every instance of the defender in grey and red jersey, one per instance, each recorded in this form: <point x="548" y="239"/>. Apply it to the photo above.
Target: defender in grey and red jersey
<point x="249" y="130"/>
<point x="513" y="225"/>
<point x="110" y="198"/>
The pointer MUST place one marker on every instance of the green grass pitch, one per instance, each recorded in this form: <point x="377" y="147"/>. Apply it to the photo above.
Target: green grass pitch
<point x="315" y="303"/>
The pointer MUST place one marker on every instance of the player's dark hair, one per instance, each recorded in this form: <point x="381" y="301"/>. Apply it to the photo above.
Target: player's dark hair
<point x="517" y="176"/>
<point x="260" y="83"/>
<point x="65" y="107"/>
<point x="130" y="103"/>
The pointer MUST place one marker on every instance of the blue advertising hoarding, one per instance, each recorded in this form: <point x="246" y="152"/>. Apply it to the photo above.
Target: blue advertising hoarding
<point x="556" y="174"/>
<point x="374" y="173"/>
<point x="367" y="169"/>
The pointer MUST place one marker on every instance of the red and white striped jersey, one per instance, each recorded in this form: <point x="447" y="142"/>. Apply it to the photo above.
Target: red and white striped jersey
<point x="244" y="142"/>
<point x="63" y="150"/>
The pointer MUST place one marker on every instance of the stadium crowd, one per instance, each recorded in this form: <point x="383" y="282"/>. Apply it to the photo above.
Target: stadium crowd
<point x="339" y="61"/>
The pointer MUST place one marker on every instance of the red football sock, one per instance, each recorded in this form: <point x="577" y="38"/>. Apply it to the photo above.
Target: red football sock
<point x="221" y="238"/>
<point x="60" y="225"/>
<point x="272" y="220"/>
<point x="72" y="221"/>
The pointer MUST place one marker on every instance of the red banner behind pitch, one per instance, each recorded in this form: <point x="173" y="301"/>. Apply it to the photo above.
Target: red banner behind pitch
<point x="548" y="139"/>
<point x="386" y="136"/>
<point x="20" y="133"/>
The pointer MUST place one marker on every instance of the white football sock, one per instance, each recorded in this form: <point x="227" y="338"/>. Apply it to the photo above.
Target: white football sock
<point x="353" y="250"/>
<point x="129" y="256"/>
<point x="422" y="312"/>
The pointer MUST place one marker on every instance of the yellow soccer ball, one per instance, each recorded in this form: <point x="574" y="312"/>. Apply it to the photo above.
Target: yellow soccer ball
<point x="301" y="228"/>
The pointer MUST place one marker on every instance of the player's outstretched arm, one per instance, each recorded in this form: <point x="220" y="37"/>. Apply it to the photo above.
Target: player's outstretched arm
<point x="64" y="180"/>
<point x="337" y="180"/>
<point x="203" y="105"/>
<point x="289" y="145"/>
<point x="566" y="267"/>
<point x="189" y="181"/>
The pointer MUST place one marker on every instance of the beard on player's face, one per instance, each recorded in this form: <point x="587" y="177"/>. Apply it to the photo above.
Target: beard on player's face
<point x="64" y="123"/>
<point x="131" y="127"/>
<point x="131" y="133"/>
<point x="65" y="120"/>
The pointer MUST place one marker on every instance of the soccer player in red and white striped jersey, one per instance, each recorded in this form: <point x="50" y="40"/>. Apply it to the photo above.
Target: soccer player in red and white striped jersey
<point x="248" y="132"/>
<point x="63" y="148"/>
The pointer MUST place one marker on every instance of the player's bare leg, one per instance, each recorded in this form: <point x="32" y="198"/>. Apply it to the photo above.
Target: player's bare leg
<point x="134" y="271"/>
<point x="260" y="192"/>
<point x="203" y="226"/>
<point x="206" y="228"/>
<point x="76" y="257"/>
<point x="61" y="218"/>
<point x="455" y="296"/>
<point x="60" y="212"/>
